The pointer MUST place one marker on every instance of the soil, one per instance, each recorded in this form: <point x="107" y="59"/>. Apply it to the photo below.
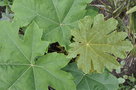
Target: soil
<point x="2" y="9"/>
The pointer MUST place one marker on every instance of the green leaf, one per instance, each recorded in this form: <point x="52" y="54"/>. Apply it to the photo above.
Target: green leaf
<point x="55" y="16"/>
<point x="132" y="22"/>
<point x="94" y="81"/>
<point x="5" y="2"/>
<point x="133" y="52"/>
<point x="23" y="65"/>
<point x="121" y="80"/>
<point x="2" y="3"/>
<point x="98" y="44"/>
<point x="91" y="11"/>
<point x="131" y="10"/>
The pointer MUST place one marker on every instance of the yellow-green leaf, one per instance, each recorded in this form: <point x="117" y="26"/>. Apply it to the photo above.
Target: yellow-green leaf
<point x="98" y="45"/>
<point x="131" y="10"/>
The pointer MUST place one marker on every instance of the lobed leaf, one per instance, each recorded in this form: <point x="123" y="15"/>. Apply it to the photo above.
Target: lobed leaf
<point x="105" y="81"/>
<point x="98" y="44"/>
<point x="56" y="17"/>
<point x="23" y="65"/>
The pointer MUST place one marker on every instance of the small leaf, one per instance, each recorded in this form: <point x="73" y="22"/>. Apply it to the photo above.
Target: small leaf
<point x="2" y="3"/>
<point x="23" y="65"/>
<point x="125" y="76"/>
<point x="118" y="70"/>
<point x="94" y="81"/>
<point x="131" y="10"/>
<point x="91" y="11"/>
<point x="121" y="80"/>
<point x="132" y="78"/>
<point x="98" y="44"/>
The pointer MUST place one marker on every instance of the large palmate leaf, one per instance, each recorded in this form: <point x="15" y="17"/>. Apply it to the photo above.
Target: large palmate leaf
<point x="97" y="44"/>
<point x="94" y="81"/>
<point x="55" y="16"/>
<point x="23" y="65"/>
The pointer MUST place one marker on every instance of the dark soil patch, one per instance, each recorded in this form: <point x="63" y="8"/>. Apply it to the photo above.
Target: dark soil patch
<point x="129" y="68"/>
<point x="2" y="9"/>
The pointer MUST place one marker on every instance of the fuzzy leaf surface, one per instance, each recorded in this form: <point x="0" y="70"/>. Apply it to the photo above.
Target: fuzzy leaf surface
<point x="94" y="81"/>
<point x="23" y="65"/>
<point x="56" y="17"/>
<point x="98" y="45"/>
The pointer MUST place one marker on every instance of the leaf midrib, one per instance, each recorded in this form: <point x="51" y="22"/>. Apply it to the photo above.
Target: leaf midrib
<point x="39" y="14"/>
<point x="41" y="67"/>
<point x="68" y="11"/>
<point x="25" y="71"/>
<point x="18" y="78"/>
<point x="97" y="82"/>
<point x="34" y="78"/>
